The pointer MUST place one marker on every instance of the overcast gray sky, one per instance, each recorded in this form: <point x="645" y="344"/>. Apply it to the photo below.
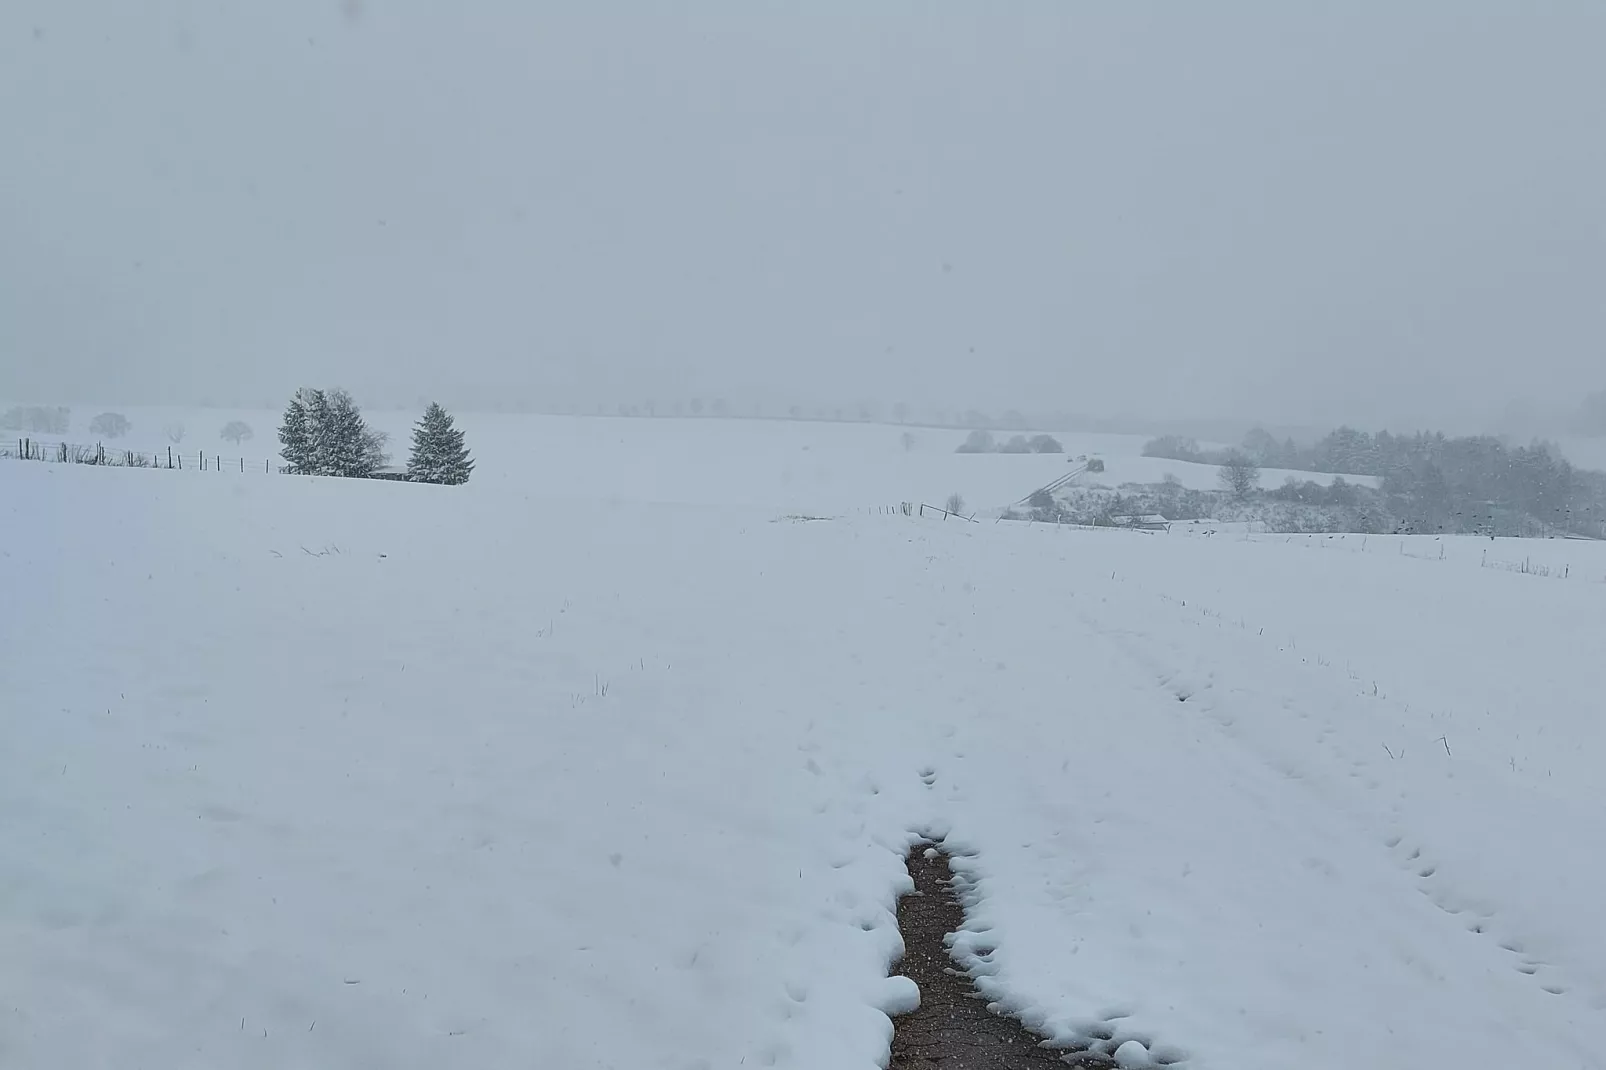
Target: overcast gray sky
<point x="1292" y="211"/>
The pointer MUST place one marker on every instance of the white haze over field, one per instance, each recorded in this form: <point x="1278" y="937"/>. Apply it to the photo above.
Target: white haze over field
<point x="1295" y="214"/>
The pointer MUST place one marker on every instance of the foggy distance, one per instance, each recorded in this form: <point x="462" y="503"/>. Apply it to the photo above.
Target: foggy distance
<point x="1369" y="214"/>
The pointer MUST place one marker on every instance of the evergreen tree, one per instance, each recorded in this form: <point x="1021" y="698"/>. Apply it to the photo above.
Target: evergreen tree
<point x="352" y="449"/>
<point x="294" y="436"/>
<point x="324" y="434"/>
<point x="318" y="452"/>
<point x="439" y="455"/>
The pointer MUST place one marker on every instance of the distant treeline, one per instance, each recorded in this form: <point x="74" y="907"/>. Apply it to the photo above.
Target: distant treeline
<point x="1430" y="482"/>
<point x="983" y="442"/>
<point x="39" y="419"/>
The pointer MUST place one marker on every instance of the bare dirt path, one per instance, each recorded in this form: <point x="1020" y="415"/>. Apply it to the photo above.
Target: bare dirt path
<point x="953" y="1029"/>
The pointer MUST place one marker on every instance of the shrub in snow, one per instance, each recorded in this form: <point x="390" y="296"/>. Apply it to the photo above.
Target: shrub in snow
<point x="236" y="431"/>
<point x="978" y="442"/>
<point x="955" y="504"/>
<point x="1018" y="444"/>
<point x="174" y="432"/>
<point x="439" y="455"/>
<point x="1045" y="444"/>
<point x="110" y="425"/>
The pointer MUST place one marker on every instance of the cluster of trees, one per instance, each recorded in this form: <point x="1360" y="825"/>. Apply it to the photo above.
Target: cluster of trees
<point x="1477" y="484"/>
<point x="40" y="420"/>
<point x="106" y="425"/>
<point x="1439" y="505"/>
<point x="1430" y="482"/>
<point x="324" y="434"/>
<point x="1180" y="448"/>
<point x="1307" y="507"/>
<point x="983" y="442"/>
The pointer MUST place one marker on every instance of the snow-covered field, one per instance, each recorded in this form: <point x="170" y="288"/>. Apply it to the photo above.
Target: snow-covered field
<point x="801" y="465"/>
<point x="601" y="762"/>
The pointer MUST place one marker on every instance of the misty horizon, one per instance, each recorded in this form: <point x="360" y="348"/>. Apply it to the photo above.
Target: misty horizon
<point x="1247" y="215"/>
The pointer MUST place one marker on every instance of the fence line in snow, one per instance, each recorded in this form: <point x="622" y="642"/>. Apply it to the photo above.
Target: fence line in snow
<point x="915" y="509"/>
<point x="101" y="455"/>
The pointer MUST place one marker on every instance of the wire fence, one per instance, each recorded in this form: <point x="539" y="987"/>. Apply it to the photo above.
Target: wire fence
<point x="915" y="509"/>
<point x="101" y="455"/>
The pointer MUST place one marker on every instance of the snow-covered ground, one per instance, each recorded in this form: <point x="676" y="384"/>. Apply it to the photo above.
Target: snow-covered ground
<point x="600" y="761"/>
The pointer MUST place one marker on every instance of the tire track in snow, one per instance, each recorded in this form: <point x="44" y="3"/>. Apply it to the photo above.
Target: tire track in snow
<point x="1200" y="688"/>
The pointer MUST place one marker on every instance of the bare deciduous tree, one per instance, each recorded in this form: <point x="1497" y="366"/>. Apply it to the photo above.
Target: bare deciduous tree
<point x="110" y="425"/>
<point x="1239" y="475"/>
<point x="236" y="431"/>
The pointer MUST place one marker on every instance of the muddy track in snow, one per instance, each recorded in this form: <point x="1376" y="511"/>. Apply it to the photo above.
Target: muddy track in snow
<point x="953" y="1029"/>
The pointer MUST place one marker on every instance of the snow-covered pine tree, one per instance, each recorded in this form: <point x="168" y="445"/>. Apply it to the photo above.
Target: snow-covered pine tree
<point x="319" y="450"/>
<point x="353" y="450"/>
<point x="439" y="455"/>
<point x="293" y="436"/>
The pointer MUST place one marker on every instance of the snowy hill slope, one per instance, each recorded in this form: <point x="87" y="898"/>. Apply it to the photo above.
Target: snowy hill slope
<point x="308" y="772"/>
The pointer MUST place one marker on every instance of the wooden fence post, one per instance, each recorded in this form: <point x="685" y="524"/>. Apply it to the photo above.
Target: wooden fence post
<point x="170" y="456"/>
